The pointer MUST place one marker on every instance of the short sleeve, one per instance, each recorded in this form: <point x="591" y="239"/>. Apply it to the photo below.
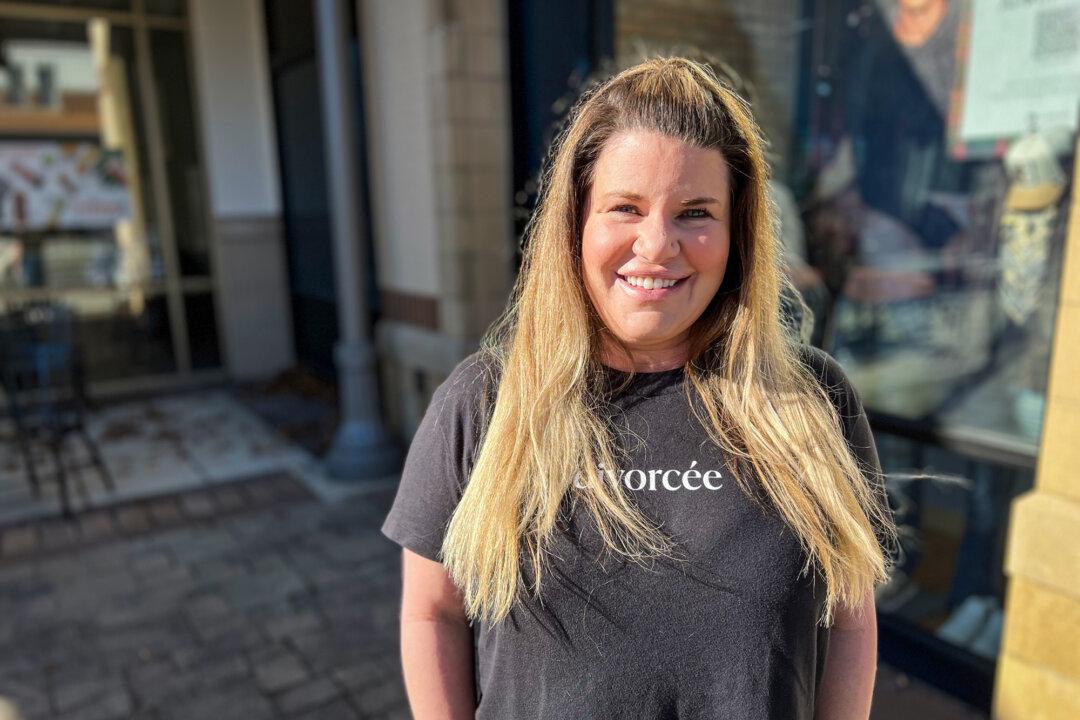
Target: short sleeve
<point x="438" y="462"/>
<point x="853" y="416"/>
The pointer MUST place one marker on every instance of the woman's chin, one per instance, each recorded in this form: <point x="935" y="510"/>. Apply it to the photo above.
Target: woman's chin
<point x="647" y="338"/>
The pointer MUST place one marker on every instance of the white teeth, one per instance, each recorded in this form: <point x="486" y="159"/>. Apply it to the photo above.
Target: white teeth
<point x="649" y="283"/>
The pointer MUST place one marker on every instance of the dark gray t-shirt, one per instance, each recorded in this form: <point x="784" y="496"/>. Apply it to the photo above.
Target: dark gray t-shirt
<point x="732" y="633"/>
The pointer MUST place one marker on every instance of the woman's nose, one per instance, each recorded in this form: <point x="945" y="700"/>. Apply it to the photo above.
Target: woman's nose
<point x="656" y="241"/>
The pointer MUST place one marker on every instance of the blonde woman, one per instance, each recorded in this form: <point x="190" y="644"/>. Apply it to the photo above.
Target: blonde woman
<point x="642" y="498"/>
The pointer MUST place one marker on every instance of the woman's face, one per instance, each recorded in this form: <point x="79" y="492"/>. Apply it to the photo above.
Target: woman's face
<point x="658" y="210"/>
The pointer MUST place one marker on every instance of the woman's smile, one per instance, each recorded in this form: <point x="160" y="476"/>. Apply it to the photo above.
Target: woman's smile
<point x="649" y="289"/>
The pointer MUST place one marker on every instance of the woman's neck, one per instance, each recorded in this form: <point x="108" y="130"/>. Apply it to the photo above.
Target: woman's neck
<point x="648" y="359"/>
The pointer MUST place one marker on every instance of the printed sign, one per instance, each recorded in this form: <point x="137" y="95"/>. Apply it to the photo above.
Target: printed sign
<point x="61" y="186"/>
<point x="1022" y="72"/>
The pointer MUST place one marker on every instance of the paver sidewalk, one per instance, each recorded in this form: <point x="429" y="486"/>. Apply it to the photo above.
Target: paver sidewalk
<point x="265" y="605"/>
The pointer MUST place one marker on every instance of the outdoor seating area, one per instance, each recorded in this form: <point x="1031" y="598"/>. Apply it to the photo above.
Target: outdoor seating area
<point x="62" y="454"/>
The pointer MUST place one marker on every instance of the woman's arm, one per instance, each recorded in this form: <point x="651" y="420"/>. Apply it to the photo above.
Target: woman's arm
<point x="847" y="685"/>
<point x="436" y="642"/>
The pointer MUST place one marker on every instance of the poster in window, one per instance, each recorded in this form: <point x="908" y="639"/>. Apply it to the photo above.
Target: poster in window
<point x="48" y="186"/>
<point x="1021" y="73"/>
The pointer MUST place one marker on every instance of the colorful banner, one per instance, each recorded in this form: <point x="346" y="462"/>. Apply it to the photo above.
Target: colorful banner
<point x="61" y="186"/>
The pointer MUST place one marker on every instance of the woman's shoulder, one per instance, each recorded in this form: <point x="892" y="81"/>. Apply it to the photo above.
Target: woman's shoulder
<point x="830" y="374"/>
<point x="465" y="397"/>
<point x="822" y="363"/>
<point x="469" y="382"/>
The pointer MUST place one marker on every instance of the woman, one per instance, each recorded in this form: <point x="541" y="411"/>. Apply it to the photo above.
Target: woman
<point x="642" y="498"/>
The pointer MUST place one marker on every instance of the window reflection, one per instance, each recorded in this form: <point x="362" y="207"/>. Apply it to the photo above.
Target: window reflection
<point x="943" y="282"/>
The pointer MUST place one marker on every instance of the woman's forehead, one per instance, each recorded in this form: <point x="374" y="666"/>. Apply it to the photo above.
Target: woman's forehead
<point x="633" y="163"/>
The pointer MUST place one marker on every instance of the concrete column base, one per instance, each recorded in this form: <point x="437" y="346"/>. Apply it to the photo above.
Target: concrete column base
<point x="363" y="449"/>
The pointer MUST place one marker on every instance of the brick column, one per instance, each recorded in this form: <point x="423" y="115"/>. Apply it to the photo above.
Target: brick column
<point x="1038" y="673"/>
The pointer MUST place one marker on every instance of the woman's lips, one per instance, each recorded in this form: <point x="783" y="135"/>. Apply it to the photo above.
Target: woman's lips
<point x="640" y="293"/>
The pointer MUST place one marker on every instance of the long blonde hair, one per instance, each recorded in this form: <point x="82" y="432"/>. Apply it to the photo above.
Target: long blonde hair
<point x="761" y="404"/>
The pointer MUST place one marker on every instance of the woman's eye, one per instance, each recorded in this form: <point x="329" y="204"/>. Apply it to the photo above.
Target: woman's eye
<point x="632" y="208"/>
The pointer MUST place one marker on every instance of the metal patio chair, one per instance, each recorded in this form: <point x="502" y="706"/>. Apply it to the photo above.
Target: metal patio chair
<point x="41" y="374"/>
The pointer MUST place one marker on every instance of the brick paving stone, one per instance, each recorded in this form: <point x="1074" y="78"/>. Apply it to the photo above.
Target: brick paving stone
<point x="28" y="695"/>
<point x="165" y="512"/>
<point x="224" y="669"/>
<point x="129" y="615"/>
<point x="280" y="672"/>
<point x="292" y="625"/>
<point x="362" y="675"/>
<point x="146" y="674"/>
<point x="151" y="563"/>
<point x="269" y="560"/>
<point x="251" y="526"/>
<point x="95" y="593"/>
<point x="85" y="691"/>
<point x="56" y="534"/>
<point x="337" y="710"/>
<point x="202" y="544"/>
<point x="229" y="499"/>
<point x="285" y="488"/>
<point x="207" y="607"/>
<point x="123" y="643"/>
<point x="228" y="626"/>
<point x="105" y="557"/>
<point x="249" y="591"/>
<point x="115" y="703"/>
<point x="308" y="696"/>
<point x="237" y="701"/>
<point x="213" y="572"/>
<point x="198" y="504"/>
<point x="381" y="698"/>
<point x="200" y="676"/>
<point x="20" y="540"/>
<point x="263" y="492"/>
<point x="174" y="580"/>
<point x="133" y="518"/>
<point x="97" y="525"/>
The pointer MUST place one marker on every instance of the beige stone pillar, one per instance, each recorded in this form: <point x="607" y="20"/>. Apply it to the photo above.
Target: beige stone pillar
<point x="1038" y="676"/>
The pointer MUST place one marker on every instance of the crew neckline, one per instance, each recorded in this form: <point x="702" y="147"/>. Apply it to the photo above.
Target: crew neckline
<point x="646" y="382"/>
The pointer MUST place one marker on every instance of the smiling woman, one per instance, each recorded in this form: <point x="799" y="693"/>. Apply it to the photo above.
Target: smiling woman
<point x="642" y="498"/>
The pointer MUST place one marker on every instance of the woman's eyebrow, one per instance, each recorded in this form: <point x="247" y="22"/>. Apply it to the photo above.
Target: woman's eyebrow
<point x="699" y="201"/>
<point x="636" y="197"/>
<point x="625" y="194"/>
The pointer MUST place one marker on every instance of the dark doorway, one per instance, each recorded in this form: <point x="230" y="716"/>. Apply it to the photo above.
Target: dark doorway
<point x="294" y="77"/>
